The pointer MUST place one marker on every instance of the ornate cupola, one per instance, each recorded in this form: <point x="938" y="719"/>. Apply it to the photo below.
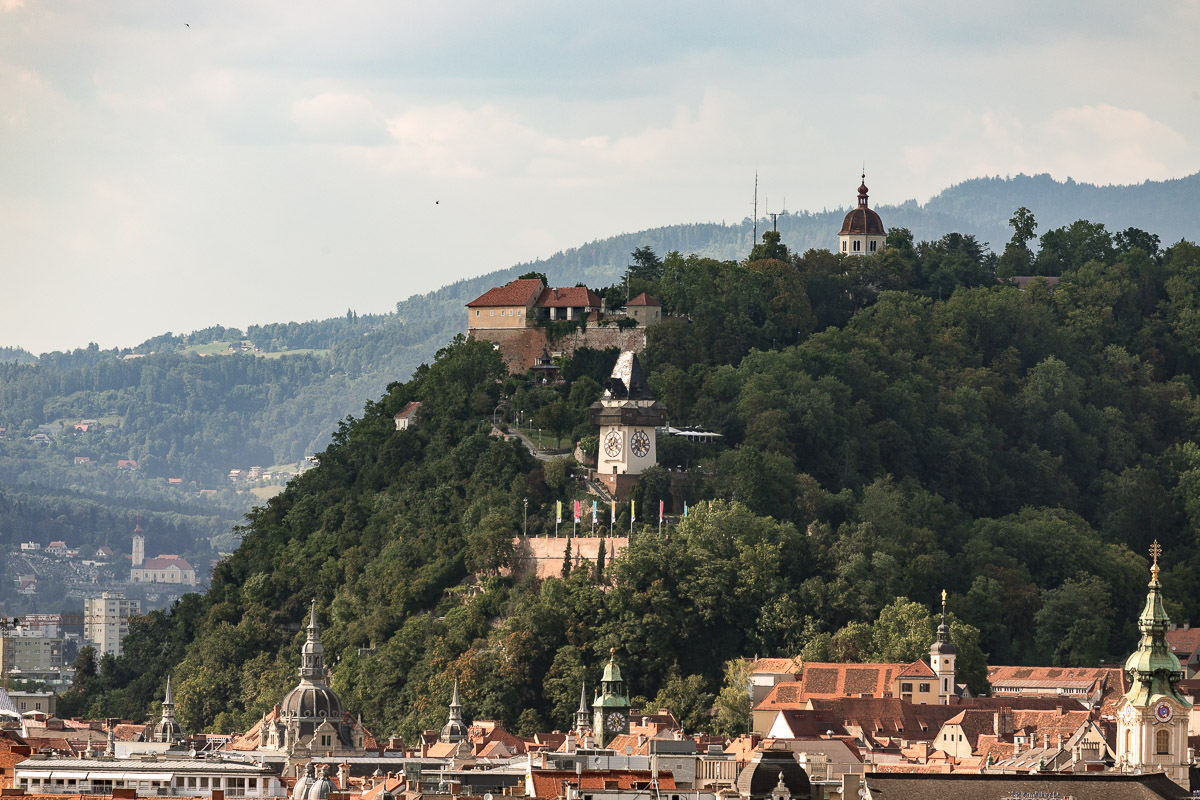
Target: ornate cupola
<point x="455" y="730"/>
<point x="942" y="655"/>
<point x="610" y="709"/>
<point x="862" y="231"/>
<point x="312" y="702"/>
<point x="167" y="728"/>
<point x="1152" y="717"/>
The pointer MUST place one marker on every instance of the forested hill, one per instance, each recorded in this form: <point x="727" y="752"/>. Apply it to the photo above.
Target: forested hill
<point x="892" y="426"/>
<point x="194" y="406"/>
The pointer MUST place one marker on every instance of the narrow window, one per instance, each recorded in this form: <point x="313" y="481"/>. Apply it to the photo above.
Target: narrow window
<point x="1162" y="743"/>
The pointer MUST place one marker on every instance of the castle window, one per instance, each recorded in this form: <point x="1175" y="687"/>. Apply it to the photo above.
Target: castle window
<point x="857" y="245"/>
<point x="1162" y="743"/>
<point x="843" y="247"/>
<point x="924" y="687"/>
<point x="873" y="244"/>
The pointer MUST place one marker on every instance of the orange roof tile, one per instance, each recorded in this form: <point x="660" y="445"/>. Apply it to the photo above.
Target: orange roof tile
<point x="643" y="299"/>
<point x="777" y="666"/>
<point x="520" y="292"/>
<point x="568" y="297"/>
<point x="549" y="782"/>
<point x="1184" y="642"/>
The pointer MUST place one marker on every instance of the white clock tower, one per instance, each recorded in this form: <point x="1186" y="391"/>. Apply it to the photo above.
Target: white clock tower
<point x="1152" y="717"/>
<point x="627" y="416"/>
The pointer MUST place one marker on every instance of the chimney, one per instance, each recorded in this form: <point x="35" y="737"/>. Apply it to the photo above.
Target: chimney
<point x="1059" y="741"/>
<point x="1045" y="741"/>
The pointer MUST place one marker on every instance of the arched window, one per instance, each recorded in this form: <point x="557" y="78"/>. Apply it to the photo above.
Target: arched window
<point x="1162" y="743"/>
<point x="1128" y="740"/>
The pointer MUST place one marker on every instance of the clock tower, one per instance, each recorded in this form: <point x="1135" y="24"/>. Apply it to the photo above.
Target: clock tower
<point x="610" y="709"/>
<point x="1152" y="717"/>
<point x="627" y="415"/>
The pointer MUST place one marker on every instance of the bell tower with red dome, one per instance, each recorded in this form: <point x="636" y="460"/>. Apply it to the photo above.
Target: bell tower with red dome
<point x="862" y="231"/>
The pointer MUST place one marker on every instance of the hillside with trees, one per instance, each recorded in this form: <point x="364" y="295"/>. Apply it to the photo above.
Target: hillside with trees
<point x="892" y="426"/>
<point x="194" y="406"/>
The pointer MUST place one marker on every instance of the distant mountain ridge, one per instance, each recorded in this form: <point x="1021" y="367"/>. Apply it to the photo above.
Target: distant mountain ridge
<point x="980" y="206"/>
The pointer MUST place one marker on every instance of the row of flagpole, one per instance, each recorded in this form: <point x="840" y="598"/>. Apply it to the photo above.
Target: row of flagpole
<point x="579" y="508"/>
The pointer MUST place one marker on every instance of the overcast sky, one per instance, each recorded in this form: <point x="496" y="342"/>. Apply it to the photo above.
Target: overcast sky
<point x="172" y="164"/>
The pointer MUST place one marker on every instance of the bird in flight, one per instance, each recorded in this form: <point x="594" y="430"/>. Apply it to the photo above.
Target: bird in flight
<point x="437" y="202"/>
<point x="186" y="25"/>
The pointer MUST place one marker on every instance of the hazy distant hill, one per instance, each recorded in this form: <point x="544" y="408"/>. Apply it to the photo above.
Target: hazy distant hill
<point x="981" y="206"/>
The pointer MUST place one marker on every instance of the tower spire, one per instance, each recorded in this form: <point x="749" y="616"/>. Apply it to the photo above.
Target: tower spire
<point x="312" y="657"/>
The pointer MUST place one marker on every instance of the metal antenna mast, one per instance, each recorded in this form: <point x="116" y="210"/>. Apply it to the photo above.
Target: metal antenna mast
<point x="755" y="241"/>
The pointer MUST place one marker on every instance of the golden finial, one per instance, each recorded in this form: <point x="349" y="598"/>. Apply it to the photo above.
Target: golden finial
<point x="612" y="652"/>
<point x="1155" y="552"/>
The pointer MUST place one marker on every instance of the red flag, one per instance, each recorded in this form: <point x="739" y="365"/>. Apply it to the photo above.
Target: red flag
<point x="660" y="509"/>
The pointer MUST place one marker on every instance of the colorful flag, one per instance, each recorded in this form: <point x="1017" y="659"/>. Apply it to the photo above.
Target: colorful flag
<point x="685" y="509"/>
<point x="632" y="510"/>
<point x="577" y="511"/>
<point x="660" y="509"/>
<point x="613" y="519"/>
<point x="593" y="512"/>
<point x="559" y="517"/>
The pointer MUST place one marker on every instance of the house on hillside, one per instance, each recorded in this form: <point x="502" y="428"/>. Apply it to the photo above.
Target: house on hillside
<point x="644" y="310"/>
<point x="407" y="417"/>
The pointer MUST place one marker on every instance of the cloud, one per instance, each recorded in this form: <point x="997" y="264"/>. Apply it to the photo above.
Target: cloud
<point x="339" y="118"/>
<point x="1098" y="143"/>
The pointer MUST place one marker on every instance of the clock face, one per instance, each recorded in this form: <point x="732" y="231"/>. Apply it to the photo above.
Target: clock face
<point x="1163" y="712"/>
<point x="640" y="444"/>
<point x="1127" y="713"/>
<point x="615" y="722"/>
<point x="612" y="444"/>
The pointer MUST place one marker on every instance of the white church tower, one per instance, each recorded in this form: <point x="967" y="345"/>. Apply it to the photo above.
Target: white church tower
<point x="942" y="655"/>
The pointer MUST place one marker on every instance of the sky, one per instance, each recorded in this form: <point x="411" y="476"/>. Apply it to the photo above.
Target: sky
<point x="166" y="165"/>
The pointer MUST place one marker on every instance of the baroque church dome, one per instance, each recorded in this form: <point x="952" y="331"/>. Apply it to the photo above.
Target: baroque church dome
<point x="862" y="220"/>
<point x="312" y="699"/>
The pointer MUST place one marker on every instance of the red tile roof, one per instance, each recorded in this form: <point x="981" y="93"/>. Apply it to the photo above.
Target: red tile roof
<point x="917" y="669"/>
<point x="1184" y="642"/>
<point x="514" y="293"/>
<point x="776" y="666"/>
<point x="408" y="409"/>
<point x="643" y="299"/>
<point x="569" y="297"/>
<point x="549" y="782"/>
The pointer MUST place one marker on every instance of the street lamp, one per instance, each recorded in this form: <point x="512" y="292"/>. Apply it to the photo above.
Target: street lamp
<point x="525" y="502"/>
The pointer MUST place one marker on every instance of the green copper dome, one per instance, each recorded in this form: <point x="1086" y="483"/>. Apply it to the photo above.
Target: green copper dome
<point x="1153" y="670"/>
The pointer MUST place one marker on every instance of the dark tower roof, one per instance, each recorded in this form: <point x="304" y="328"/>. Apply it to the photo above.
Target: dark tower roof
<point x="760" y="777"/>
<point x="455" y="730"/>
<point x="628" y="381"/>
<point x="862" y="220"/>
<point x="312" y="699"/>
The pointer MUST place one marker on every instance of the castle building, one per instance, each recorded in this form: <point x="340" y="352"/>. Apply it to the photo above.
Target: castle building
<point x="1152" y="717"/>
<point x="862" y="232"/>
<point x="610" y="708"/>
<point x="627" y="415"/>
